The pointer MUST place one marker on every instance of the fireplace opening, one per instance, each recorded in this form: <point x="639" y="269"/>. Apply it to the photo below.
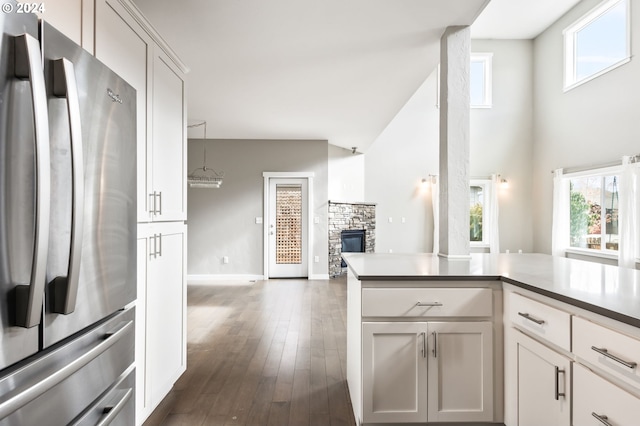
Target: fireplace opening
<point x="353" y="241"/>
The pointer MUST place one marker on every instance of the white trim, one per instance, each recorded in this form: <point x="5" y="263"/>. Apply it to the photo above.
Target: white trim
<point x="319" y="276"/>
<point x="569" y="44"/>
<point x="597" y="171"/>
<point x="455" y="256"/>
<point x="216" y="278"/>
<point x="487" y="63"/>
<point x="310" y="209"/>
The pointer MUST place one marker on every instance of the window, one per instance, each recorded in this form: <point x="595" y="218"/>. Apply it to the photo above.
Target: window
<point x="593" y="212"/>
<point x="597" y="43"/>
<point x="480" y="80"/>
<point x="478" y="235"/>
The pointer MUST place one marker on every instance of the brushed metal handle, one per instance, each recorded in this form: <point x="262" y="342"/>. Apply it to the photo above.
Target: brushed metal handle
<point x="605" y="352"/>
<point x="111" y="412"/>
<point x="160" y="245"/>
<point x="602" y="419"/>
<point x="23" y="397"/>
<point x="152" y="242"/>
<point x="159" y="203"/>
<point x="530" y="318"/>
<point x="28" y="65"/>
<point x="152" y="201"/>
<point x="558" y="394"/>
<point x="429" y="304"/>
<point x="435" y="344"/>
<point x="65" y="289"/>
<point x="424" y="344"/>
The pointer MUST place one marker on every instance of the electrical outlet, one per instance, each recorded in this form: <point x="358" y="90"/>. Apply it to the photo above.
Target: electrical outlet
<point x="316" y="259"/>
<point x="403" y="220"/>
<point x="258" y="220"/>
<point x="390" y="219"/>
<point x="225" y="259"/>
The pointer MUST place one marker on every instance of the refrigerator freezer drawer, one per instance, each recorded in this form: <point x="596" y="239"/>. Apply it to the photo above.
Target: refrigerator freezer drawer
<point x="59" y="385"/>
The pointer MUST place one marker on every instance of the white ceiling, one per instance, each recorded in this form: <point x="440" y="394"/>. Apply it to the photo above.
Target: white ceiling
<point x="338" y="70"/>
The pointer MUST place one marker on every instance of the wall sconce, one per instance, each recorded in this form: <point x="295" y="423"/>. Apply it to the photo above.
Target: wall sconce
<point x="504" y="184"/>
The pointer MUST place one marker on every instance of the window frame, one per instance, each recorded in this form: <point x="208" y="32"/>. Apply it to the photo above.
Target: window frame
<point x="486" y="58"/>
<point x="601" y="173"/>
<point x="570" y="48"/>
<point x="486" y="186"/>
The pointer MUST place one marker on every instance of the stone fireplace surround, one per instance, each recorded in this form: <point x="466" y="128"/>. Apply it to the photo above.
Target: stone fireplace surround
<point x="349" y="216"/>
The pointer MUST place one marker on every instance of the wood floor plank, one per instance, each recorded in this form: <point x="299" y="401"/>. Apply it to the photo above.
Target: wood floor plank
<point x="265" y="353"/>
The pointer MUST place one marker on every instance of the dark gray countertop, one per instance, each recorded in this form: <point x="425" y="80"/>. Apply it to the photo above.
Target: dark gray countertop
<point x="606" y="290"/>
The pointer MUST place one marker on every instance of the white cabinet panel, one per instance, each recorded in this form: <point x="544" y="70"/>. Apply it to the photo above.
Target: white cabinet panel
<point x="593" y="396"/>
<point x="545" y="321"/>
<point x="394" y="365"/>
<point x="543" y="384"/>
<point x="460" y="372"/>
<point x="169" y="141"/>
<point x="613" y="352"/>
<point x="427" y="302"/>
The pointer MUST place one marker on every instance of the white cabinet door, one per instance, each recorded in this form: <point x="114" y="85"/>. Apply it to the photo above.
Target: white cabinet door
<point x="122" y="44"/>
<point x="64" y="15"/>
<point x="597" y="402"/>
<point x="166" y="303"/>
<point x="160" y="313"/>
<point x="543" y="384"/>
<point x="169" y="141"/>
<point x="460" y="372"/>
<point x="394" y="372"/>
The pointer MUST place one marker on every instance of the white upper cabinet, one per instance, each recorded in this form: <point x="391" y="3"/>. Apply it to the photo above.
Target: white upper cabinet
<point x="167" y="194"/>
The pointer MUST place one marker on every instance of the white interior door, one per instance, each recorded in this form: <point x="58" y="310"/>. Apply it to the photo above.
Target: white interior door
<point x="288" y="227"/>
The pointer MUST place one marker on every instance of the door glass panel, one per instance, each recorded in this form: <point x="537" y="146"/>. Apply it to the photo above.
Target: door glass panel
<point x="288" y="224"/>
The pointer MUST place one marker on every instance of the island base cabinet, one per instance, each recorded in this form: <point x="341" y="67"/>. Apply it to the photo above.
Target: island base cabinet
<point x="416" y="372"/>
<point x="543" y="378"/>
<point x="597" y="402"/>
<point x="394" y="366"/>
<point x="460" y="373"/>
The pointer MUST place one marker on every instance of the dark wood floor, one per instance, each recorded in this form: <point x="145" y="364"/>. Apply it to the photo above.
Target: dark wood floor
<point x="264" y="353"/>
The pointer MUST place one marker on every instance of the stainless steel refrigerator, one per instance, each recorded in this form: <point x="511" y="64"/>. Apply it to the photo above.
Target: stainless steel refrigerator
<point x="67" y="231"/>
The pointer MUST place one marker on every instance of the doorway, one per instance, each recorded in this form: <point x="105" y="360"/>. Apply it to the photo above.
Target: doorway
<point x="287" y="234"/>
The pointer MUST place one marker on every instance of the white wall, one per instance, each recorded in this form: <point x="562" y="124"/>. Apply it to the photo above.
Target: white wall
<point x="346" y="175"/>
<point x="501" y="142"/>
<point x="592" y="124"/>
<point x="222" y="221"/>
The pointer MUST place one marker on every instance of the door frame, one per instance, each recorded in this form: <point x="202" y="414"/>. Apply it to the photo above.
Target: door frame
<point x="267" y="176"/>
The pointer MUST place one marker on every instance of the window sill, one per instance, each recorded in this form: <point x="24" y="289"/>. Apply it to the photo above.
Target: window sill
<point x="593" y="253"/>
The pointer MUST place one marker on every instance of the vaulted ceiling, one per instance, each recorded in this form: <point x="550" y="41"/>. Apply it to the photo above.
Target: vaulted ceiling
<point x="338" y="70"/>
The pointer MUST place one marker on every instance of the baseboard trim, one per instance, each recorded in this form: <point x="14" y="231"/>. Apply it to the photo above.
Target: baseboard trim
<point x="216" y="278"/>
<point x="319" y="276"/>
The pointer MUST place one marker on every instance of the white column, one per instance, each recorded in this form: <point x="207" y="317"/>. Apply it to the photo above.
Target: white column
<point x="455" y="54"/>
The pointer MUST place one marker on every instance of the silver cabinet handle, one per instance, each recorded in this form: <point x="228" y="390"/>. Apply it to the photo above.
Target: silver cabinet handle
<point x="22" y="398"/>
<point x="152" y="201"/>
<point x="65" y="289"/>
<point x="605" y="352"/>
<point x="602" y="419"/>
<point x="530" y="318"/>
<point x="28" y="65"/>
<point x="558" y="394"/>
<point x="160" y="245"/>
<point x="160" y="203"/>
<point x="152" y="241"/>
<point x="111" y="412"/>
<point x="435" y="344"/>
<point x="430" y="304"/>
<point x="424" y="344"/>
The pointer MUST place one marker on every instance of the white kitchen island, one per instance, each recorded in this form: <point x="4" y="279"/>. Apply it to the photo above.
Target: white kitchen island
<point x="519" y="339"/>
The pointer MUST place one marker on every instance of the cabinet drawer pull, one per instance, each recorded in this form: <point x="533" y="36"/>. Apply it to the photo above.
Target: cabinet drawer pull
<point x="430" y="304"/>
<point x="435" y="344"/>
<point x="558" y="394"/>
<point x="602" y="419"/>
<point x="530" y="318"/>
<point x="603" y="351"/>
<point x="424" y="344"/>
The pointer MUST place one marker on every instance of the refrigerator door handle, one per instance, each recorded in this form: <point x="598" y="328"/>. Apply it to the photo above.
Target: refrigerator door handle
<point x="28" y="65"/>
<point x="25" y="395"/>
<point x="65" y="289"/>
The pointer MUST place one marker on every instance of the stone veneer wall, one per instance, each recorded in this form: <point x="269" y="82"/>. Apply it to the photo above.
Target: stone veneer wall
<point x="349" y="216"/>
